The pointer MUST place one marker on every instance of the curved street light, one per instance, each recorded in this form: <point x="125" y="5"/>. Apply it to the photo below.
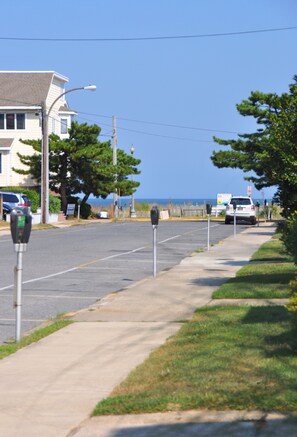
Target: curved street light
<point x="45" y="152"/>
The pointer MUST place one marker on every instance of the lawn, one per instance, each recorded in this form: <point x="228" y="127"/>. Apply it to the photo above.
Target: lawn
<point x="267" y="276"/>
<point x="224" y="358"/>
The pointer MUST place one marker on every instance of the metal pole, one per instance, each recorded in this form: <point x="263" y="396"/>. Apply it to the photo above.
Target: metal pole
<point x="44" y="167"/>
<point x="234" y="222"/>
<point x="208" y="231"/>
<point x="115" y="161"/>
<point x="132" y="212"/>
<point x="18" y="300"/>
<point x="155" y="249"/>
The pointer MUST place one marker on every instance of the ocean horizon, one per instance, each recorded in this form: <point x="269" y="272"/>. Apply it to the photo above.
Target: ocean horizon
<point x="126" y="201"/>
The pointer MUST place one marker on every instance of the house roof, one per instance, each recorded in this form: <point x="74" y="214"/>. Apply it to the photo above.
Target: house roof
<point x="26" y="88"/>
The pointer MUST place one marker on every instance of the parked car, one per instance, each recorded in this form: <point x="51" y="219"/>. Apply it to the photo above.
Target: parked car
<point x="12" y="200"/>
<point x="6" y="210"/>
<point x="245" y="210"/>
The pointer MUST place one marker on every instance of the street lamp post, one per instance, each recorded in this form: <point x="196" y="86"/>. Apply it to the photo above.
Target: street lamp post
<point x="132" y="213"/>
<point x="45" y="153"/>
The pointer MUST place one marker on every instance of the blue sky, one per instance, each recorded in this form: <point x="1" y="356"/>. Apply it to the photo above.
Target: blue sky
<point x="190" y="82"/>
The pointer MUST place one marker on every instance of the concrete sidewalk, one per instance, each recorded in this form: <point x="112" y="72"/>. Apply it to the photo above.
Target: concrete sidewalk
<point x="50" y="388"/>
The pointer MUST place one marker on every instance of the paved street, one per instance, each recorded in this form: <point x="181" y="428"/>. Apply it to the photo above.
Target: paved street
<point x="67" y="269"/>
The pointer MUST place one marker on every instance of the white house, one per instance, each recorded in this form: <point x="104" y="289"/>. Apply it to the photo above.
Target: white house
<point x="22" y="94"/>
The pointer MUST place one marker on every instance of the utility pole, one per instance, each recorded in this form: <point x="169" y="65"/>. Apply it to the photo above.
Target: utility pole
<point x="115" y="161"/>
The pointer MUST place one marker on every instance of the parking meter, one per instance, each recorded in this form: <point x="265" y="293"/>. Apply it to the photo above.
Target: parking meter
<point x="208" y="211"/>
<point x="208" y="208"/>
<point x="234" y="205"/>
<point x="155" y="216"/>
<point x="20" y="225"/>
<point x="155" y="221"/>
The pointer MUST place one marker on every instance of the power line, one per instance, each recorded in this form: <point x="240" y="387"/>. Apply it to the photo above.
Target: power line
<point x="148" y="38"/>
<point x="163" y="124"/>
<point x="159" y="135"/>
<point x="165" y="136"/>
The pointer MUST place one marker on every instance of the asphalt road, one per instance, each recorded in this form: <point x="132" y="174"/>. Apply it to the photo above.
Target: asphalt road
<point x="67" y="269"/>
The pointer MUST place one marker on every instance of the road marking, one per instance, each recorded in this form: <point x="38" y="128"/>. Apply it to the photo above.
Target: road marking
<point x="49" y="296"/>
<point x="74" y="268"/>
<point x="97" y="260"/>
<point x="40" y="278"/>
<point x="168" y="239"/>
<point x="23" y="320"/>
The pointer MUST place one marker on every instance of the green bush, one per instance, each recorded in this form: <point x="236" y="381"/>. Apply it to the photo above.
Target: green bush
<point x="289" y="236"/>
<point x="85" y="210"/>
<point x="33" y="196"/>
<point x="54" y="204"/>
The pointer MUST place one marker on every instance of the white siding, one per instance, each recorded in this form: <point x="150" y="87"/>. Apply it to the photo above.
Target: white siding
<point x="32" y="131"/>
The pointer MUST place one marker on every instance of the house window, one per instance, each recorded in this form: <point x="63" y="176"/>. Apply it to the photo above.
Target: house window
<point x="20" y="119"/>
<point x="64" y="127"/>
<point x="12" y="121"/>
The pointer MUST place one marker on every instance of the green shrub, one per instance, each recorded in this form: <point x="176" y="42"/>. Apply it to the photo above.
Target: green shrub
<point x="54" y="204"/>
<point x="85" y="210"/>
<point x="33" y="196"/>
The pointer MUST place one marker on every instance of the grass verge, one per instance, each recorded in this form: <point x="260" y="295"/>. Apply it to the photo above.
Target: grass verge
<point x="224" y="358"/>
<point x="8" y="349"/>
<point x="266" y="277"/>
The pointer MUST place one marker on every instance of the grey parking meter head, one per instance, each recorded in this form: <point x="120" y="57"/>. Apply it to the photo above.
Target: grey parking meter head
<point x="258" y="204"/>
<point x="234" y="205"/>
<point x="20" y="225"/>
<point x="208" y="208"/>
<point x="155" y="216"/>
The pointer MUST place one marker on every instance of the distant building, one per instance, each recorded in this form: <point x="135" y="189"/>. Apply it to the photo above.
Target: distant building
<point x="22" y="94"/>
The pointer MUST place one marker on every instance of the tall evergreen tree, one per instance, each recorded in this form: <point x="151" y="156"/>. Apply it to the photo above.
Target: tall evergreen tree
<point x="82" y="164"/>
<point x="271" y="151"/>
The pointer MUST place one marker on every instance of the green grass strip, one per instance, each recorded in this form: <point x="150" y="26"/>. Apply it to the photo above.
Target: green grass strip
<point x="224" y="358"/>
<point x="266" y="277"/>
<point x="11" y="348"/>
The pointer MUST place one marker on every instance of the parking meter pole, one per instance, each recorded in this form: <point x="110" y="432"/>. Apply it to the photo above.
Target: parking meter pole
<point x="208" y="212"/>
<point x="234" y="222"/>
<point x="155" y="250"/>
<point x="18" y="297"/>
<point x="155" y="220"/>
<point x="208" y="231"/>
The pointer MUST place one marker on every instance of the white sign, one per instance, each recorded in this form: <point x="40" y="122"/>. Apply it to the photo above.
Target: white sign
<point x="223" y="199"/>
